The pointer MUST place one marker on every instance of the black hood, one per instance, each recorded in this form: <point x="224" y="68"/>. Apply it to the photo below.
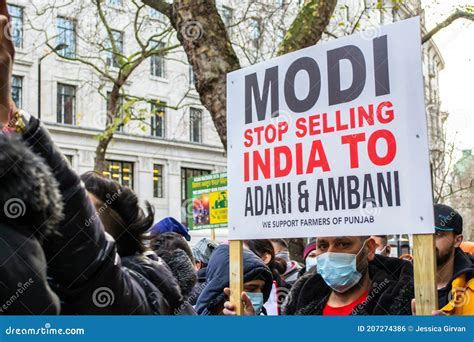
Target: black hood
<point x="29" y="194"/>
<point x="463" y="264"/>
<point x="217" y="275"/>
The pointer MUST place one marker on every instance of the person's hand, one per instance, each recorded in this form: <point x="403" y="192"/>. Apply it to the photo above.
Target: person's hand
<point x="7" y="53"/>
<point x="229" y="308"/>
<point x="433" y="313"/>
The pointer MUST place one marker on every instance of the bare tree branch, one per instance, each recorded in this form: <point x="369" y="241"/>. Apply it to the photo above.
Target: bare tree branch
<point x="458" y="14"/>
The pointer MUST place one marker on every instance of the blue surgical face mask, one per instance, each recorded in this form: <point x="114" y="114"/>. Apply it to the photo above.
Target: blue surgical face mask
<point x="284" y="255"/>
<point x="257" y="301"/>
<point x="310" y="263"/>
<point x="339" y="270"/>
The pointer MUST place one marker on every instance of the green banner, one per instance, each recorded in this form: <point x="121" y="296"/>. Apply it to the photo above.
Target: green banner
<point x="207" y="201"/>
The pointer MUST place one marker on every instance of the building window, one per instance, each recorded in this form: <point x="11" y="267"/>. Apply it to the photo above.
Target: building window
<point x="158" y="181"/>
<point x="158" y="119"/>
<point x="191" y="75"/>
<point x="111" y="58"/>
<point x="280" y="3"/>
<point x="156" y="15"/>
<point x="195" y="125"/>
<point x="66" y="111"/>
<point x="16" y="15"/>
<point x="115" y="3"/>
<point x="119" y="171"/>
<point x="67" y="35"/>
<point x="157" y="62"/>
<point x="185" y="174"/>
<point x="227" y="14"/>
<point x="119" y="110"/>
<point x="69" y="159"/>
<point x="255" y="32"/>
<point x="17" y="90"/>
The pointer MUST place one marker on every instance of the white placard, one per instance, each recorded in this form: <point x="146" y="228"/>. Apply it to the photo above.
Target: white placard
<point x="331" y="140"/>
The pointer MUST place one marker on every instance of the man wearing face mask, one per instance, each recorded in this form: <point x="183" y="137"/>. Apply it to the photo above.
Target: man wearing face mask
<point x="293" y="268"/>
<point x="351" y="280"/>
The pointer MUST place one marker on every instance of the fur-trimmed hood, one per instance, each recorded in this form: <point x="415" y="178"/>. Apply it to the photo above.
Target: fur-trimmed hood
<point x="183" y="269"/>
<point x="390" y="292"/>
<point x="29" y="194"/>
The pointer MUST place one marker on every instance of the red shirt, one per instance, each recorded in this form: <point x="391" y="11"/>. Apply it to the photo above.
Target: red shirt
<point x="346" y="309"/>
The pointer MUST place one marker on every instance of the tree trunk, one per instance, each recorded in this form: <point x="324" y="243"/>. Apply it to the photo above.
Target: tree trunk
<point x="204" y="38"/>
<point x="109" y="130"/>
<point x="308" y="26"/>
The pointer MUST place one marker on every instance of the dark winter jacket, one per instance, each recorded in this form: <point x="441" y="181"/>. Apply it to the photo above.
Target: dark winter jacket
<point x="30" y="209"/>
<point x="201" y="283"/>
<point x="83" y="263"/>
<point x="217" y="275"/>
<point x="390" y="293"/>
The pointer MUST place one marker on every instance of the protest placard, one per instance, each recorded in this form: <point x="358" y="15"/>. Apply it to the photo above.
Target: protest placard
<point x="331" y="140"/>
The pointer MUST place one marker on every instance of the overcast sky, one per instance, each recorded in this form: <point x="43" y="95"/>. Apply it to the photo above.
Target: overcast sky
<point x="456" y="43"/>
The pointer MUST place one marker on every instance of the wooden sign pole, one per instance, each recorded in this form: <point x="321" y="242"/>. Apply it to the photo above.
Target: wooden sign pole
<point x="236" y="268"/>
<point x="424" y="263"/>
<point x="213" y="234"/>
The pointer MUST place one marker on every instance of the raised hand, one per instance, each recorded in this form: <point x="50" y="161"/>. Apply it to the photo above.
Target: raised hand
<point x="229" y="307"/>
<point x="7" y="53"/>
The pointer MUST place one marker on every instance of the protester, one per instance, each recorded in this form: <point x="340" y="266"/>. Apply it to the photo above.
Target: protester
<point x="291" y="273"/>
<point x="30" y="211"/>
<point x="455" y="275"/>
<point x="351" y="279"/>
<point x="280" y="289"/>
<point x="170" y="224"/>
<point x="257" y="283"/>
<point x="382" y="246"/>
<point x="202" y="252"/>
<point x="175" y="251"/>
<point x="123" y="218"/>
<point x="309" y="257"/>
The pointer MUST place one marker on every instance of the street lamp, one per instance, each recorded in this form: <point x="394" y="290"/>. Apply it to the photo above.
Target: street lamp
<point x="58" y="47"/>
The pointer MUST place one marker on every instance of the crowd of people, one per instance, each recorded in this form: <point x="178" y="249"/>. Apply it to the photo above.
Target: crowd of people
<point x="74" y="244"/>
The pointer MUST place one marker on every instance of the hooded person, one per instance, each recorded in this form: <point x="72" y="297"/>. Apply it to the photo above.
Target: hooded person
<point x="174" y="250"/>
<point x="257" y="282"/>
<point x="202" y="252"/>
<point x="293" y="268"/>
<point x="31" y="209"/>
